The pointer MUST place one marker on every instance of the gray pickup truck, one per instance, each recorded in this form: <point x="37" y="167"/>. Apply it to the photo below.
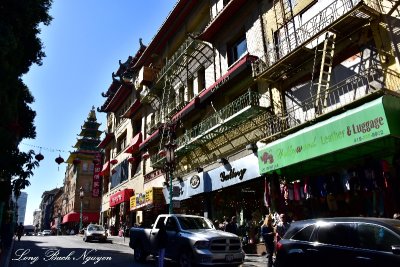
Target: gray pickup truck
<point x="192" y="240"/>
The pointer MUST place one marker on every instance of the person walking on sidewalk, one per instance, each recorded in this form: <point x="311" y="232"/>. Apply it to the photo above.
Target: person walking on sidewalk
<point x="20" y="231"/>
<point x="268" y="234"/>
<point x="161" y="243"/>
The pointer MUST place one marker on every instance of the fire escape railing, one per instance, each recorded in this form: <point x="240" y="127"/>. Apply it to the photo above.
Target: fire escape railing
<point x="303" y="34"/>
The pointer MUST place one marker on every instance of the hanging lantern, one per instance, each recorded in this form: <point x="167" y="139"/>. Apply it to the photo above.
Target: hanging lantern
<point x="59" y="160"/>
<point x="114" y="161"/>
<point x="146" y="155"/>
<point x="131" y="160"/>
<point x="76" y="161"/>
<point x="39" y="157"/>
<point x="96" y="161"/>
<point x="162" y="153"/>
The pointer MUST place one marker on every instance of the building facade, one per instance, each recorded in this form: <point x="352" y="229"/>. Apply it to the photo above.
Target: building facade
<point x="278" y="105"/>
<point x="21" y="206"/>
<point x="79" y="204"/>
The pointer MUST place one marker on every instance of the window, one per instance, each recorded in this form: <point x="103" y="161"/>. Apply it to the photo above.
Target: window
<point x="171" y="224"/>
<point x="237" y="49"/>
<point x="190" y="90"/>
<point x="376" y="237"/>
<point x="340" y="234"/>
<point x="201" y="79"/>
<point x="304" y="234"/>
<point x="121" y="143"/>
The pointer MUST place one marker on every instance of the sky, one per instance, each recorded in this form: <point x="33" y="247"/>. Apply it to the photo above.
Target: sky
<point x="83" y="45"/>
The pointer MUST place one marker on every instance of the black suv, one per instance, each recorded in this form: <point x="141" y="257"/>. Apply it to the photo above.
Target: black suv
<point x="340" y="242"/>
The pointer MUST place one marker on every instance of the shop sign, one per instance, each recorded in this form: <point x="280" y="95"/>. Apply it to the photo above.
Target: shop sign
<point x="120" y="197"/>
<point x="96" y="176"/>
<point x="360" y="125"/>
<point x="225" y="176"/>
<point x="152" y="196"/>
<point x="194" y="181"/>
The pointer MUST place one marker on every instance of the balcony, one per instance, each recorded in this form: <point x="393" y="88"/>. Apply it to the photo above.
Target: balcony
<point x="240" y="110"/>
<point x="298" y="46"/>
<point x="154" y="124"/>
<point x="157" y="161"/>
<point x="353" y="90"/>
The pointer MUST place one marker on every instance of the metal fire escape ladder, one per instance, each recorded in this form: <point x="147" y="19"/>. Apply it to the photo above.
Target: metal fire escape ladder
<point x="285" y="20"/>
<point x="325" y="72"/>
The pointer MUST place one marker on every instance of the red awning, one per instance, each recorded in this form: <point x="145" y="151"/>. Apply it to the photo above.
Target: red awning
<point x="106" y="140"/>
<point x="148" y="139"/>
<point x="87" y="217"/>
<point x="121" y="196"/>
<point x="134" y="145"/>
<point x="132" y="109"/>
<point x="106" y="169"/>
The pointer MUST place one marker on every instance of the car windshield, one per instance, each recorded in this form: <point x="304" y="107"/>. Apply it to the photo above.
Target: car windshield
<point x="95" y="228"/>
<point x="194" y="223"/>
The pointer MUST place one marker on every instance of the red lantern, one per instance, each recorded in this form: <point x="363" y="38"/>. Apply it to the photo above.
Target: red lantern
<point x="59" y="160"/>
<point x="131" y="160"/>
<point x="39" y="157"/>
<point x="162" y="153"/>
<point x="76" y="161"/>
<point x="114" y="161"/>
<point x="146" y="155"/>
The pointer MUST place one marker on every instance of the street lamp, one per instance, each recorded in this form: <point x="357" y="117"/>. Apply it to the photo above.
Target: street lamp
<point x="170" y="165"/>
<point x="81" y="197"/>
<point x="59" y="221"/>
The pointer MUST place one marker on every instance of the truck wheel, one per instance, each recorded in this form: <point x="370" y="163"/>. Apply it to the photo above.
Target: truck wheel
<point x="185" y="259"/>
<point x="139" y="254"/>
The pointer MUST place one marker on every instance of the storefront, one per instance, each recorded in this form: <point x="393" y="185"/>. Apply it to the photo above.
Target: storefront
<point x="145" y="207"/>
<point x="347" y="165"/>
<point x="119" y="210"/>
<point x="72" y="220"/>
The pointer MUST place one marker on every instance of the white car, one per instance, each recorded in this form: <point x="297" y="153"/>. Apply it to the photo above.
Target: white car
<point x="94" y="232"/>
<point x="46" y="232"/>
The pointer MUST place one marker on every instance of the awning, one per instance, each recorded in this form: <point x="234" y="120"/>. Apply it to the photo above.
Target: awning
<point x="87" y="217"/>
<point x="151" y="198"/>
<point x="134" y="145"/>
<point x="132" y="109"/>
<point x="107" y="139"/>
<point x="149" y="139"/>
<point x="121" y="196"/>
<point x="106" y="169"/>
<point x="353" y="129"/>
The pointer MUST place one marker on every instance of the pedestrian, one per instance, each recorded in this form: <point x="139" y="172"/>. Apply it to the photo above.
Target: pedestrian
<point x="231" y="227"/>
<point x="396" y="216"/>
<point x="282" y="225"/>
<point x="268" y="234"/>
<point x="20" y="231"/>
<point x="161" y="243"/>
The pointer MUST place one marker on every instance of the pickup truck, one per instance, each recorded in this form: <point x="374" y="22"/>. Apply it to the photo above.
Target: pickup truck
<point x="192" y="240"/>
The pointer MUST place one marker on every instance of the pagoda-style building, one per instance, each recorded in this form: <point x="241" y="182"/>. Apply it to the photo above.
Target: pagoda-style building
<point x="84" y="165"/>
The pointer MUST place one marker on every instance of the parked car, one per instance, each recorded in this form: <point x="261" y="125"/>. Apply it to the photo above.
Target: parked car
<point x="340" y="242"/>
<point x="193" y="241"/>
<point x="46" y="232"/>
<point x="94" y="232"/>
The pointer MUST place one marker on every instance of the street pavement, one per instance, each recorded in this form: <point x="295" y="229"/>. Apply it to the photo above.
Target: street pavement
<point x="70" y="251"/>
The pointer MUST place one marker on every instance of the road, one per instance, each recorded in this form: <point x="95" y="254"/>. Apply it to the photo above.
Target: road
<point x="63" y="251"/>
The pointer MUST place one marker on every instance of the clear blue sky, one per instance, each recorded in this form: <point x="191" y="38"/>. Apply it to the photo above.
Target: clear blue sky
<point x="83" y="44"/>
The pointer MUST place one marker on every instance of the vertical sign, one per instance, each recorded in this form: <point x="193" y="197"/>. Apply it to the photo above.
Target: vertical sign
<point x="96" y="176"/>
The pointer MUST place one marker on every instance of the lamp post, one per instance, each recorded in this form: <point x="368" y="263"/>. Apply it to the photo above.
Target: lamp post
<point x="59" y="221"/>
<point x="169" y="167"/>
<point x="81" y="197"/>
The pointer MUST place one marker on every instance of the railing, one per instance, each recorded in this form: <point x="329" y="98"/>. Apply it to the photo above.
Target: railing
<point x="154" y="124"/>
<point x="305" y="32"/>
<point x="351" y="89"/>
<point x="247" y="100"/>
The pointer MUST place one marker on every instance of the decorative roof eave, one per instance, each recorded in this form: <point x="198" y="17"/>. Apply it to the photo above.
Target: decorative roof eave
<point x="167" y="29"/>
<point x="132" y="109"/>
<point x="94" y="132"/>
<point x="119" y="97"/>
<point x="215" y="25"/>
<point x="90" y="141"/>
<point x="107" y="139"/>
<point x="81" y="154"/>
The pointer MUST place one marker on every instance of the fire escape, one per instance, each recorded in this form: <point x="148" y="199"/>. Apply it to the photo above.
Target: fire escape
<point x="301" y="50"/>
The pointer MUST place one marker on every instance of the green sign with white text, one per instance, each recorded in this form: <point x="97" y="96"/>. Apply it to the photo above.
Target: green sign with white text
<point x="353" y="127"/>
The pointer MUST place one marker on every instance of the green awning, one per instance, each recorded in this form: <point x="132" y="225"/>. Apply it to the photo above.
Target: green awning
<point x="372" y="121"/>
